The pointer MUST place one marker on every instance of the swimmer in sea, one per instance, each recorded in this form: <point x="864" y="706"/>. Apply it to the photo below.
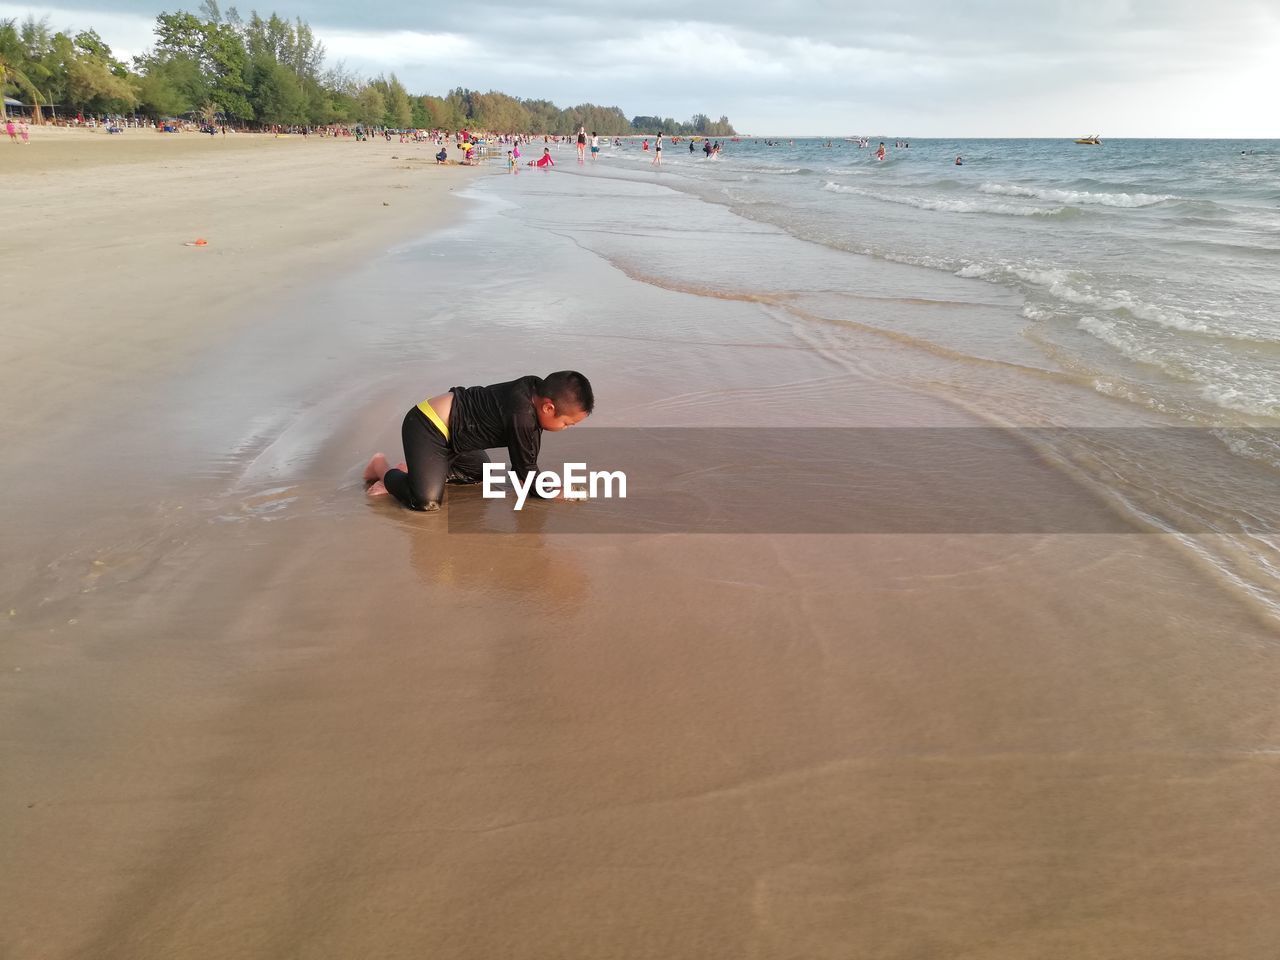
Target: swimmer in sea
<point x="880" y="151"/>
<point x="959" y="162"/>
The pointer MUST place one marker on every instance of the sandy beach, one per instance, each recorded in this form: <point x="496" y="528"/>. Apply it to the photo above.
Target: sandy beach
<point x="248" y="712"/>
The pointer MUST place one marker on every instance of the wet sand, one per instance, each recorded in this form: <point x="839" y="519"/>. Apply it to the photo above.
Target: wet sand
<point x="249" y="713"/>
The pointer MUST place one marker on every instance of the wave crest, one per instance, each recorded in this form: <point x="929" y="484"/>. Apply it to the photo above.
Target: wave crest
<point x="1076" y="197"/>
<point x="949" y="206"/>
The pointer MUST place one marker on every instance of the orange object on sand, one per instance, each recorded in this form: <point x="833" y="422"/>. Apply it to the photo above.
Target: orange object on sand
<point x="201" y="242"/>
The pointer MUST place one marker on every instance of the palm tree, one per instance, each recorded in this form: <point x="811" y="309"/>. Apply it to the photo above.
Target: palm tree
<point x="11" y="72"/>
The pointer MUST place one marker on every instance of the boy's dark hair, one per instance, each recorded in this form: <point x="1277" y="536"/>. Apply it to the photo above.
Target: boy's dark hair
<point x="569" y="388"/>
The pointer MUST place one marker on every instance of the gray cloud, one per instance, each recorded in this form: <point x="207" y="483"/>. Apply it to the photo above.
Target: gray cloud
<point x="997" y="67"/>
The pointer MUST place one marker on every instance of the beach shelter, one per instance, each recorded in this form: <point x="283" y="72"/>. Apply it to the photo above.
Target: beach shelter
<point x="11" y="104"/>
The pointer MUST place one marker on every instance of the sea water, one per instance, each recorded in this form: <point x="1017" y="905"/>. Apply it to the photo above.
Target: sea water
<point x="1151" y="267"/>
<point x="1039" y="283"/>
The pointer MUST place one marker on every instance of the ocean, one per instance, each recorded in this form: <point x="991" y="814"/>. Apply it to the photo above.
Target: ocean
<point x="1041" y="284"/>
<point x="1149" y="266"/>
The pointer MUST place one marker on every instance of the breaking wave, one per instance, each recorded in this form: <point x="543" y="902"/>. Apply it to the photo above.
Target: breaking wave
<point x="950" y="206"/>
<point x="1076" y="197"/>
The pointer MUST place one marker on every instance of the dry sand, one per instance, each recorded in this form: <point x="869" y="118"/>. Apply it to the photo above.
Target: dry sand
<point x="100" y="288"/>
<point x="347" y="733"/>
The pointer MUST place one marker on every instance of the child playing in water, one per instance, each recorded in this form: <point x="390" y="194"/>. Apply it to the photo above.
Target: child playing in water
<point x="544" y="160"/>
<point x="445" y="437"/>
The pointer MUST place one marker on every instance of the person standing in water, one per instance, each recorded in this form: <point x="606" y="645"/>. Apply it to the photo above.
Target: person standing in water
<point x="880" y="151"/>
<point x="657" y="149"/>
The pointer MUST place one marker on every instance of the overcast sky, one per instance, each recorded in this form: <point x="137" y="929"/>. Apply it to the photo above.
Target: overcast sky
<point x="894" y="68"/>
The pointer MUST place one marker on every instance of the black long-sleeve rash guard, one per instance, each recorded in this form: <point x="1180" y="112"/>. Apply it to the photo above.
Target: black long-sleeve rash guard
<point x="499" y="415"/>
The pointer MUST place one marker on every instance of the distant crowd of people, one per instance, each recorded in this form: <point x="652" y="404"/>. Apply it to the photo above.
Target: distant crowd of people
<point x="471" y="145"/>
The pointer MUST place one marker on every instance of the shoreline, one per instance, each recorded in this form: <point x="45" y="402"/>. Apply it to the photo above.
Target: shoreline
<point x="272" y="716"/>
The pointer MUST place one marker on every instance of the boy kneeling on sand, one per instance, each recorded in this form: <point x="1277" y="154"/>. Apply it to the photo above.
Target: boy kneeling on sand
<point x="445" y="437"/>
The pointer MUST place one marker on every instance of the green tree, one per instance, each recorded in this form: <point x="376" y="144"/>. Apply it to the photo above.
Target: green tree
<point x="14" y="68"/>
<point x="203" y="60"/>
<point x="171" y="88"/>
<point x="92" y="79"/>
<point x="399" y="110"/>
<point x="370" y="106"/>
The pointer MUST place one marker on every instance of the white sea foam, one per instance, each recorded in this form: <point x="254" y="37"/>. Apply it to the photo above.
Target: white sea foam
<point x="1262" y="447"/>
<point x="1250" y="396"/>
<point x="1077" y="197"/>
<point x="1221" y="383"/>
<point x="1075" y="289"/>
<point x="1112" y="335"/>
<point x="947" y="205"/>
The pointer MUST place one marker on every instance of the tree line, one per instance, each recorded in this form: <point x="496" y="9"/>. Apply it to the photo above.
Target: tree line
<point x="270" y="71"/>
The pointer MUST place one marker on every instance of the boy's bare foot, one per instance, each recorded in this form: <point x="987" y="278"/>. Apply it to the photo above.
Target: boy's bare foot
<point x="378" y="466"/>
<point x="378" y="489"/>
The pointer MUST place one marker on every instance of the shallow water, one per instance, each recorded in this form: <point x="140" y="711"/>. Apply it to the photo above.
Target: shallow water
<point x="961" y="338"/>
<point x="1148" y="266"/>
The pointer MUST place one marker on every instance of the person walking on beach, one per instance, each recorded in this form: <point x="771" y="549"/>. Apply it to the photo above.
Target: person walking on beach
<point x="582" y="143"/>
<point x="657" y="149"/>
<point x="11" y="130"/>
<point x="595" y="145"/>
<point x="26" y="133"/>
<point x="446" y="436"/>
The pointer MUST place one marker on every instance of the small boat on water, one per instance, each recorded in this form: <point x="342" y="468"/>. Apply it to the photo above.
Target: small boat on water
<point x="1093" y="141"/>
